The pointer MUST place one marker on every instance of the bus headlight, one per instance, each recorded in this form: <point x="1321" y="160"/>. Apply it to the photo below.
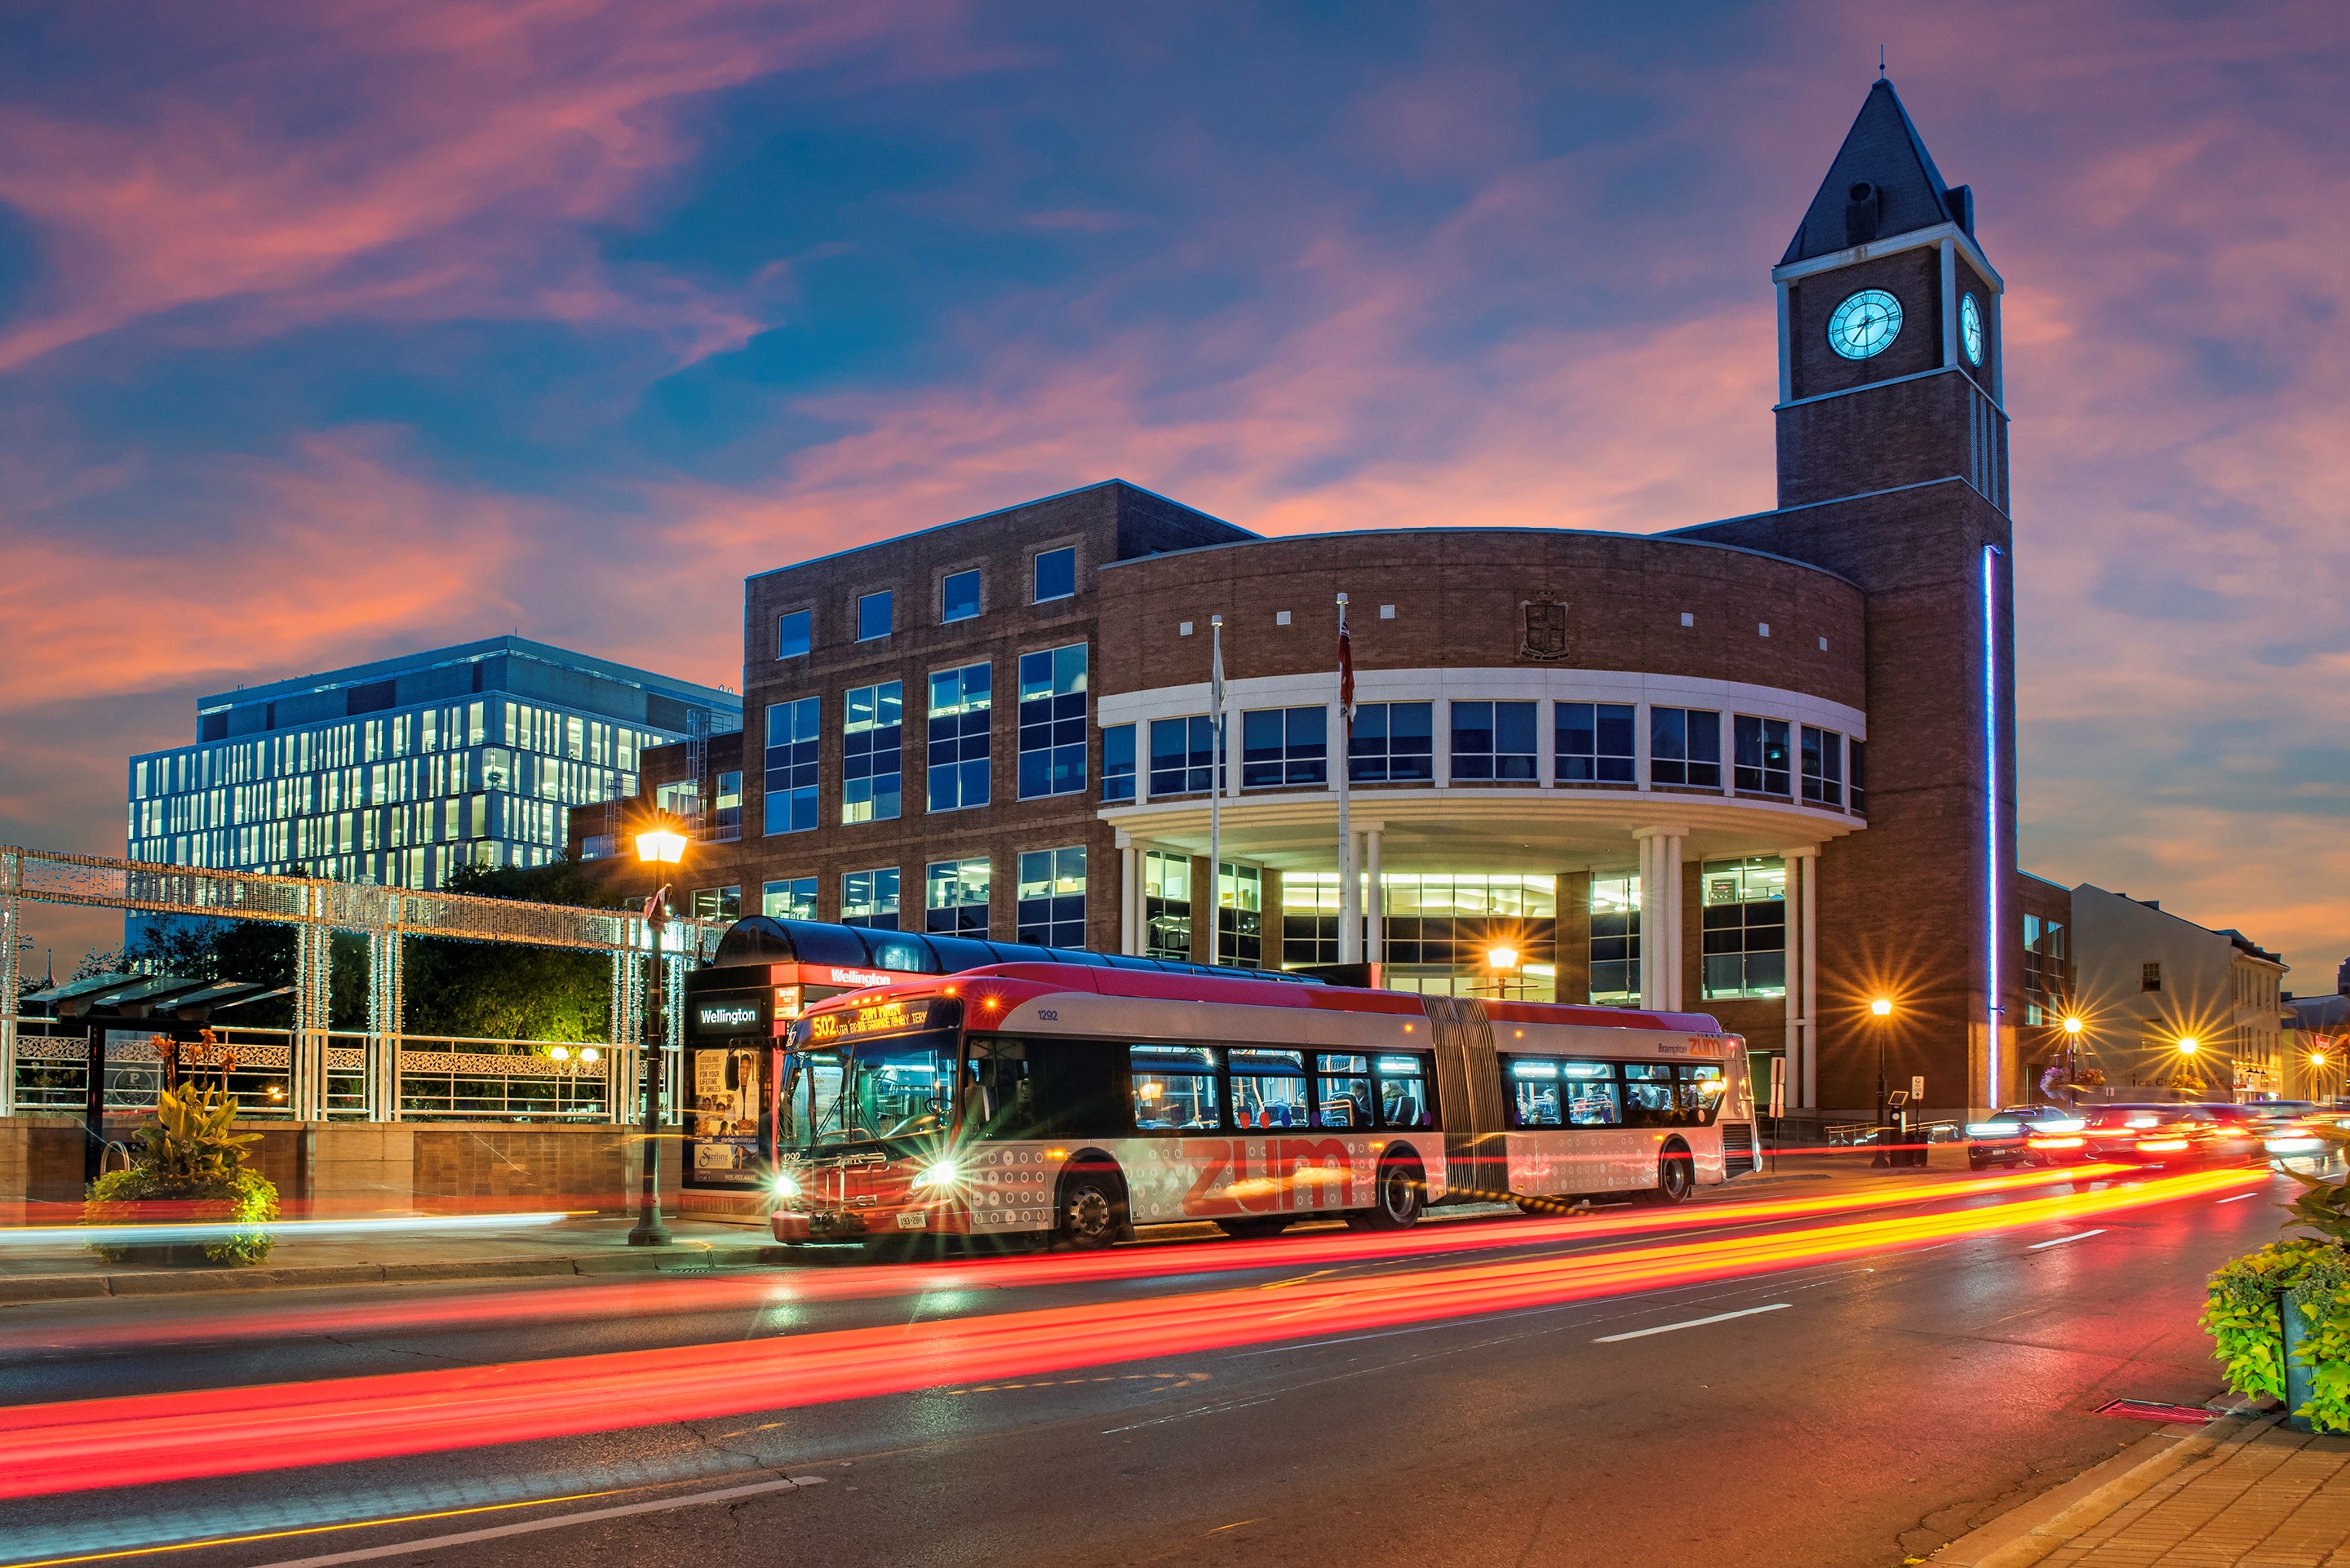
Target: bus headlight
<point x="786" y="1185"/>
<point x="940" y="1173"/>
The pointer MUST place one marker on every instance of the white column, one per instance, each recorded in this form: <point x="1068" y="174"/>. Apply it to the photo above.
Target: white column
<point x="1660" y="915"/>
<point x="1803" y="974"/>
<point x="1374" y="927"/>
<point x="1129" y="896"/>
<point x="1648" y="945"/>
<point x="1668" y="872"/>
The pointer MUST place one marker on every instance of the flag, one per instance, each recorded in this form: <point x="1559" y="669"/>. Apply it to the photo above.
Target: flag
<point x="1346" y="669"/>
<point x="1216" y="677"/>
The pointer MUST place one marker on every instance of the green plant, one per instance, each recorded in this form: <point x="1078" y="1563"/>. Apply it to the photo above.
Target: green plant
<point x="2242" y="1318"/>
<point x="2304" y="1274"/>
<point x="190" y="1154"/>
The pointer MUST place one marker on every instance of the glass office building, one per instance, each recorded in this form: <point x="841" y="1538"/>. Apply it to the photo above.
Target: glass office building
<point x="402" y="771"/>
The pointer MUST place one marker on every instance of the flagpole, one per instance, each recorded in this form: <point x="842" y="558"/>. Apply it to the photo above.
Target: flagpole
<point x="1216" y="793"/>
<point x="1350" y="920"/>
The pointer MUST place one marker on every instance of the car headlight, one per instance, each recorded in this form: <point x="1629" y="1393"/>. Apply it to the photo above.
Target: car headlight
<point x="940" y="1173"/>
<point x="1994" y="1130"/>
<point x="786" y="1185"/>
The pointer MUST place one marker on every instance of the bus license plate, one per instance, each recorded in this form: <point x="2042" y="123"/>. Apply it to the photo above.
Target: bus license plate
<point x="918" y="1221"/>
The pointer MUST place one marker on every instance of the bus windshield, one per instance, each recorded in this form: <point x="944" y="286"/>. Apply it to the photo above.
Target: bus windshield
<point x="889" y="1088"/>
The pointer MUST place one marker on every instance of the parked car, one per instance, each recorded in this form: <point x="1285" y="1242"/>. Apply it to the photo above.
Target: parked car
<point x="2003" y="1139"/>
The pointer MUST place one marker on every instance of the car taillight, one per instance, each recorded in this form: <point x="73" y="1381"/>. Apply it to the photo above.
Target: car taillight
<point x="2160" y="1145"/>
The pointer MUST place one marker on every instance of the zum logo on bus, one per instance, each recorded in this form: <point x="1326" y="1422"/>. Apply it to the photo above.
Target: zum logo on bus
<point x="1267" y="1176"/>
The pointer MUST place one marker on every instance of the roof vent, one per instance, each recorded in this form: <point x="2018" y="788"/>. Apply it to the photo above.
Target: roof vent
<point x="1863" y="205"/>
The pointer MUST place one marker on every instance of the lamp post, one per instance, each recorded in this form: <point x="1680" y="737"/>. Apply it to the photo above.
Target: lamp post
<point x="2072" y="1059"/>
<point x="659" y="845"/>
<point x="1881" y="1010"/>
<point x="2187" y="1046"/>
<point x="1504" y="959"/>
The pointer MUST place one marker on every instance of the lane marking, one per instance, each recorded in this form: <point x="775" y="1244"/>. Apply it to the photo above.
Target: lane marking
<point x="2076" y="1236"/>
<point x="1693" y="1323"/>
<point x="528" y="1527"/>
<point x="2239" y="1197"/>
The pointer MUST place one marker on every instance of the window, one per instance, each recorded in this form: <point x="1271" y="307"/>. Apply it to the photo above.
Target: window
<point x="1533" y="1094"/>
<point x="955" y="897"/>
<point x="1760" y="765"/>
<point x="1594" y="742"/>
<point x="1053" y="723"/>
<point x="1661" y="1095"/>
<point x="959" y="720"/>
<point x="872" y="744"/>
<point x="1239" y="917"/>
<point x="789" y="900"/>
<point x="792" y="634"/>
<point x="1174" y="1088"/>
<point x="1057" y="573"/>
<point x="1854" y="751"/>
<point x="1392" y="742"/>
<point x="869" y="898"/>
<point x="1549" y="1094"/>
<point x="873" y="615"/>
<point x="1745" y="927"/>
<point x="728" y="824"/>
<point x="1615" y="941"/>
<point x="2150" y="977"/>
<point x="958" y="597"/>
<point x="1118" y="762"/>
<point x="1343" y="1097"/>
<point x="791" y="765"/>
<point x="1285" y="747"/>
<point x="715" y="903"/>
<point x="1685" y="747"/>
<point x="1493" y="741"/>
<point x="1182" y="756"/>
<point x="1823" y="767"/>
<point x="1269" y="1087"/>
<point x="1052" y="903"/>
<point x="1403" y="1092"/>
<point x="1166" y="906"/>
<point x="2047" y="970"/>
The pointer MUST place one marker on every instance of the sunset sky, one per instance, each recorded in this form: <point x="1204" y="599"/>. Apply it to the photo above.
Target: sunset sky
<point x="332" y="331"/>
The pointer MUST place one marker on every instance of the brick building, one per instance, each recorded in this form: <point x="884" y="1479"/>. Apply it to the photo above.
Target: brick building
<point x="1762" y="767"/>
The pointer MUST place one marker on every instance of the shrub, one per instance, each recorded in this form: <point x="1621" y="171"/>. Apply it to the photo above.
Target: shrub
<point x="2308" y="1275"/>
<point x="190" y="1156"/>
<point x="241" y="1197"/>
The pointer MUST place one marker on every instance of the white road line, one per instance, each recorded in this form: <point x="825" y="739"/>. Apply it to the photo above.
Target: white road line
<point x="2239" y="1197"/>
<point x="2059" y="1240"/>
<point x="586" y="1516"/>
<point x="1693" y="1323"/>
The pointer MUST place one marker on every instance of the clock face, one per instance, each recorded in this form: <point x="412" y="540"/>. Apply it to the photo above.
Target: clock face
<point x="1865" y="324"/>
<point x="1970" y="337"/>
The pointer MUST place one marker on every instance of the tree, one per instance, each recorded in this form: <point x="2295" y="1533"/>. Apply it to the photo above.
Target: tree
<point x="501" y="991"/>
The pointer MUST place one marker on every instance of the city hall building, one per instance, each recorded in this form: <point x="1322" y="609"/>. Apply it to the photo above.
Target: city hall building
<point x="1760" y="767"/>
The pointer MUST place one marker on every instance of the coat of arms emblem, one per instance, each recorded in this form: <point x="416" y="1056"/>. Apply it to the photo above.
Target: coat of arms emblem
<point x="1546" y="628"/>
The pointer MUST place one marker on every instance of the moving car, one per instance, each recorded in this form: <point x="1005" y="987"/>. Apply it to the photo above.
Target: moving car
<point x="2003" y="1139"/>
<point x="2168" y="1136"/>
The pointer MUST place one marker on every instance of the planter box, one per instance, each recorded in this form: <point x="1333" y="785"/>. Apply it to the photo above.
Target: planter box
<point x="2297" y="1376"/>
<point x="191" y="1256"/>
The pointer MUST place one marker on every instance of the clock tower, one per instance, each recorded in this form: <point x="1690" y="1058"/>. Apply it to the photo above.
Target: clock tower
<point x="1893" y="474"/>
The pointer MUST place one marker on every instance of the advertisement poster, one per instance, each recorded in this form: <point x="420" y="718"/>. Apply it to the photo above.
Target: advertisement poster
<point x="722" y="1133"/>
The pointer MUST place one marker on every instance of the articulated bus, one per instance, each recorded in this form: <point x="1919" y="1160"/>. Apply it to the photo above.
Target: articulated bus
<point x="1056" y="1103"/>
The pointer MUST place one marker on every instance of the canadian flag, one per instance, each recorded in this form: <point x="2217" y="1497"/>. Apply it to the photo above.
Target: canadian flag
<point x="1345" y="669"/>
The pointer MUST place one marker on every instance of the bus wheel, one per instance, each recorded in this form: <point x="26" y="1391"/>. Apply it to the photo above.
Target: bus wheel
<point x="1254" y="1225"/>
<point x="1676" y="1178"/>
<point x="1396" y="1201"/>
<point x="1092" y="1211"/>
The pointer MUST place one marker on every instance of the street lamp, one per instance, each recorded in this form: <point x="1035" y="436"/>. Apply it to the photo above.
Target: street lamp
<point x="1503" y="958"/>
<point x="1881" y="1010"/>
<point x="659" y="845"/>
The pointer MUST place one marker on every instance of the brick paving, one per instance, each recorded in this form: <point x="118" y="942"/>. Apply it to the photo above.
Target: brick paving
<point x="2270" y="1497"/>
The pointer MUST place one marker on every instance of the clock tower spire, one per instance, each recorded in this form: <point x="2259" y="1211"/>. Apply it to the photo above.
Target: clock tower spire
<point x="1889" y="362"/>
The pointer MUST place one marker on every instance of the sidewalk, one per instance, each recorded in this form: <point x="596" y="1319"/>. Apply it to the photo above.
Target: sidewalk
<point x="2243" y="1492"/>
<point x="64" y="1270"/>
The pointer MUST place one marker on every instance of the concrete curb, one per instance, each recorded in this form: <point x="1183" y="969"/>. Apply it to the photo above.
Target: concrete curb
<point x="2025" y="1535"/>
<point x="687" y="1259"/>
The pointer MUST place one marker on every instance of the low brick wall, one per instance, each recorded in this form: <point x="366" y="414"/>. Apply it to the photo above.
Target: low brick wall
<point x="40" y="1160"/>
<point x="461" y="1168"/>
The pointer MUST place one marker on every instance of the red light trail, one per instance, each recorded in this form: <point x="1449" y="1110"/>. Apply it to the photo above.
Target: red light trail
<point x="146" y="1438"/>
<point x="619" y="1298"/>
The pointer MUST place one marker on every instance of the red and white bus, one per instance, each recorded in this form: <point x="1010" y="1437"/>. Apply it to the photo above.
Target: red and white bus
<point x="1054" y="1101"/>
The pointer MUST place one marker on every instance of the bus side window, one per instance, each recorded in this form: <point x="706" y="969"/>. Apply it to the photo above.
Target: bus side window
<point x="1000" y="1105"/>
<point x="1174" y="1088"/>
<point x="1699" y="1091"/>
<point x="1535" y="1092"/>
<point x="1403" y="1093"/>
<point x="1589" y="1088"/>
<point x="1648" y="1095"/>
<point x="1269" y="1088"/>
<point x="1342" y="1095"/>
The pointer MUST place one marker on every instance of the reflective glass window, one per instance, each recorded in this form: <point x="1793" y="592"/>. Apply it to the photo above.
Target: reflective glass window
<point x="1594" y="742"/>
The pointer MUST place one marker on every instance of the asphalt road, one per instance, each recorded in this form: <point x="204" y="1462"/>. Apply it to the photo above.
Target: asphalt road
<point x="1856" y="1411"/>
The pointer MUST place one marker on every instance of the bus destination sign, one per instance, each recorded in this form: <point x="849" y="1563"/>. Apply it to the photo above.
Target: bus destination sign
<point x="891" y="1017"/>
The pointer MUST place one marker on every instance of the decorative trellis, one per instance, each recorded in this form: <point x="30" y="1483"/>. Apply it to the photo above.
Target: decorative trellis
<point x="383" y="915"/>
